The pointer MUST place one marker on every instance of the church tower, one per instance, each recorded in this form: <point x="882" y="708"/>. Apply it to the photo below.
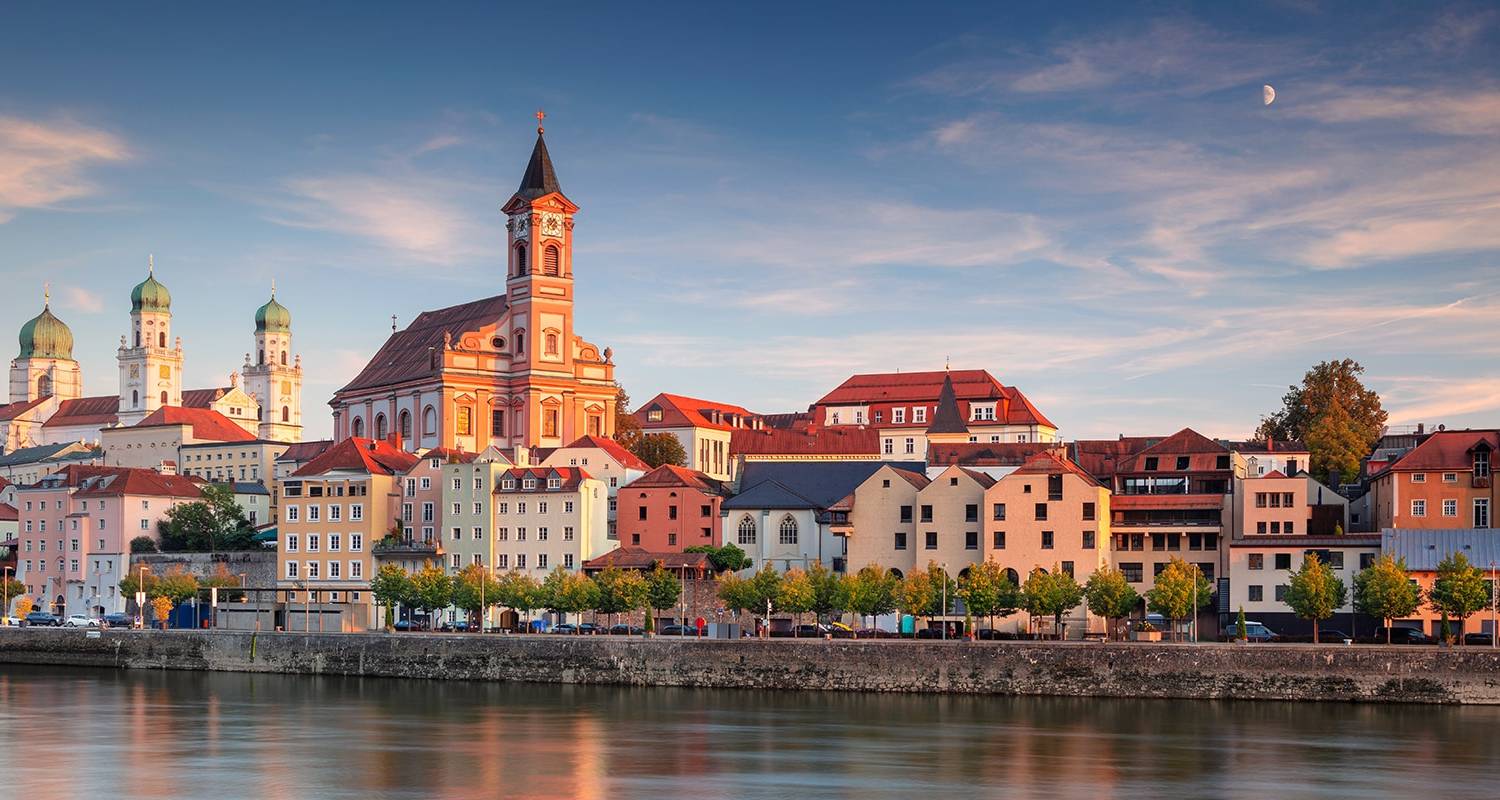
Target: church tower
<point x="150" y="359"/>
<point x="45" y="365"/>
<point x="539" y="291"/>
<point x="273" y="376"/>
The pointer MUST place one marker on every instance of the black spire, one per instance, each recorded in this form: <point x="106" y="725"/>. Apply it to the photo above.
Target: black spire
<point x="946" y="418"/>
<point x="540" y="177"/>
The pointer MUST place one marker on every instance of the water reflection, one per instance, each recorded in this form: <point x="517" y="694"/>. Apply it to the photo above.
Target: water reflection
<point x="96" y="734"/>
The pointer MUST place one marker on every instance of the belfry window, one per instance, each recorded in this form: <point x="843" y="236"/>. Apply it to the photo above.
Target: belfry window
<point x="161" y="340"/>
<point x="286" y="414"/>
<point x="551" y="344"/>
<point x="551" y="260"/>
<point x="163" y="398"/>
<point x="520" y="259"/>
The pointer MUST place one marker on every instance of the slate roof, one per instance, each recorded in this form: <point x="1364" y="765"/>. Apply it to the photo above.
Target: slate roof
<point x="202" y="398"/>
<point x="205" y="422"/>
<point x="1102" y="458"/>
<point x="305" y="451"/>
<point x="31" y="455"/>
<point x="947" y="418"/>
<point x="769" y="494"/>
<point x="1302" y="542"/>
<point x="823" y="483"/>
<point x="839" y="441"/>
<point x="540" y="177"/>
<point x="99" y="411"/>
<point x="1423" y="548"/>
<point x="615" y="450"/>
<point x="406" y="356"/>
<point x="670" y="475"/>
<point x="373" y="456"/>
<point x="73" y="475"/>
<point x="1128" y="455"/>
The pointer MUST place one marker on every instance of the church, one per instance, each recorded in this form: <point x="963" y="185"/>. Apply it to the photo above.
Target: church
<point x="505" y="371"/>
<point x="47" y="405"/>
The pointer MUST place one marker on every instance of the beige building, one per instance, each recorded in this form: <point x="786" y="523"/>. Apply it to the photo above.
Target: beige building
<point x="159" y="438"/>
<point x="547" y="517"/>
<point x="604" y="459"/>
<point x="468" y="501"/>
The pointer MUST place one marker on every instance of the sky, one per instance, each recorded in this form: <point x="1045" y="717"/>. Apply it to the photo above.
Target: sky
<point x="1095" y="205"/>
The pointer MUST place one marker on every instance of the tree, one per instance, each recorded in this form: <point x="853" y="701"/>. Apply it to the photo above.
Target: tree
<point x="729" y="558"/>
<point x="24" y="605"/>
<point x="475" y="590"/>
<point x="620" y="592"/>
<point x="944" y="590"/>
<point x="657" y="449"/>
<point x="1110" y="595"/>
<point x="143" y="544"/>
<point x="915" y="594"/>
<point x="1179" y="591"/>
<point x="12" y="588"/>
<point x="1241" y="632"/>
<point x="830" y="594"/>
<point x="430" y="588"/>
<point x="795" y="595"/>
<point x="1051" y="594"/>
<point x="566" y="592"/>
<point x="215" y="522"/>
<point x="229" y="585"/>
<point x="627" y="428"/>
<point x="763" y="590"/>
<point x="872" y="592"/>
<point x="162" y="606"/>
<point x="988" y="592"/>
<point x="1385" y="590"/>
<point x="1314" y="592"/>
<point x="1459" y="589"/>
<point x="662" y="592"/>
<point x="521" y="592"/>
<point x="390" y="586"/>
<point x="1333" y="413"/>
<point x="734" y="593"/>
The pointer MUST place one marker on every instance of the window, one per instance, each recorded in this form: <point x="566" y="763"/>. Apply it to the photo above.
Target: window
<point x="1041" y="511"/>
<point x="356" y="542"/>
<point x="971" y="513"/>
<point x="520" y="561"/>
<point x="1151" y="463"/>
<point x="1482" y="463"/>
<point x="911" y="445"/>
<point x="333" y="542"/>
<point x="356" y="570"/>
<point x="291" y="543"/>
<point x="464" y="422"/>
<point x="898" y="416"/>
<point x="333" y="569"/>
<point x="1419" y="508"/>
<point x="335" y="513"/>
<point x="502" y="561"/>
<point x="788" y="530"/>
<point x="541" y="560"/>
<point x="1184" y="462"/>
<point x="1256" y="593"/>
<point x="1054" y="487"/>
<point x="746" y="530"/>
<point x="888" y="446"/>
<point x="1046" y="540"/>
<point x="998" y="540"/>
<point x="550" y="260"/>
<point x="906" y="513"/>
<point x="926" y="513"/>
<point x="1000" y="512"/>
<point x="1481" y="512"/>
<point x="312" y="544"/>
<point x="293" y="513"/>
<point x="478" y="533"/>
<point x="567" y="533"/>
<point x="403" y="425"/>
<point x="314" y="513"/>
<point x="1132" y="571"/>
<point x="919" y="414"/>
<point x="1088" y="512"/>
<point x="458" y="533"/>
<point x="900" y="543"/>
<point x="671" y="512"/>
<point x="1419" y="477"/>
<point x="932" y="540"/>
<point x="291" y="570"/>
<point x="1281" y="593"/>
<point x="1283" y="561"/>
<point x="1257" y="561"/>
<point x="541" y="534"/>
<point x="1088" y="540"/>
<point x="971" y="540"/>
<point x="1450" y="477"/>
<point x="567" y="560"/>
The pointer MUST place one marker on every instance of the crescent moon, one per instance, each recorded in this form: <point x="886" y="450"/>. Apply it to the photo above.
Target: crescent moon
<point x="1268" y="94"/>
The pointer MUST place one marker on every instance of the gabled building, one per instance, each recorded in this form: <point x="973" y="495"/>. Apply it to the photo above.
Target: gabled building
<point x="470" y="483"/>
<point x="669" y="509"/>
<point x="803" y="442"/>
<point x="31" y="464"/>
<point x="604" y="459"/>
<point x="549" y="517"/>
<point x="705" y="429"/>
<point x="1445" y="482"/>
<point x="424" y="513"/>
<point x="161" y="435"/>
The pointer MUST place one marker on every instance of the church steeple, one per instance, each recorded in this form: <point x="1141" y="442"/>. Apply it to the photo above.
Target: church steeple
<point x="540" y="178"/>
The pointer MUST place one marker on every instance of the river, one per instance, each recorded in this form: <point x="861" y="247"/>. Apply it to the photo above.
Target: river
<point x="99" y="735"/>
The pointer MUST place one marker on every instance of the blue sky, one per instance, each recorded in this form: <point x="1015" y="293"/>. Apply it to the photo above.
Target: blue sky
<point x="1095" y="205"/>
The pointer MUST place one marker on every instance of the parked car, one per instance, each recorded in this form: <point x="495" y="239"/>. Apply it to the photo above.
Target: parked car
<point x="454" y="626"/>
<point x="1254" y="632"/>
<point x="81" y="621"/>
<point x="874" y="633"/>
<point x="589" y="628"/>
<point x="677" y="630"/>
<point x="540" y="626"/>
<point x="13" y="621"/>
<point x="1402" y="635"/>
<point x="626" y="630"/>
<point x="43" y="619"/>
<point x="410" y="625"/>
<point x="117" y="620"/>
<point x="840" y="631"/>
<point x="566" y="628"/>
<point x="1483" y="639"/>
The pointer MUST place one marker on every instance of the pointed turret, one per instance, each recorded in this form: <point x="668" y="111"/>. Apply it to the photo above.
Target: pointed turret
<point x="540" y="178"/>
<point x="947" y="418"/>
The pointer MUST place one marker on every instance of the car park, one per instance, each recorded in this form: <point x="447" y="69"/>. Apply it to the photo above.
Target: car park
<point x="589" y="628"/>
<point x="409" y="625"/>
<point x="1481" y="639"/>
<point x="1254" y="632"/>
<point x="566" y="628"/>
<point x="626" y="630"/>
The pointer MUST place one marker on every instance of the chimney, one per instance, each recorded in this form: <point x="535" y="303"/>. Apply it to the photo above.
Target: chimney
<point x="166" y="468"/>
<point x="1420" y="428"/>
<point x="1270" y="443"/>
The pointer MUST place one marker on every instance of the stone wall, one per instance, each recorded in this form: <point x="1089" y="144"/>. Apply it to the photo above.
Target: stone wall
<point x="259" y="566"/>
<point x="1208" y="671"/>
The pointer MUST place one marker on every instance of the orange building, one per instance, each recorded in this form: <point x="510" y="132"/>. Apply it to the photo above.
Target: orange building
<point x="668" y="509"/>
<point x="1445" y="482"/>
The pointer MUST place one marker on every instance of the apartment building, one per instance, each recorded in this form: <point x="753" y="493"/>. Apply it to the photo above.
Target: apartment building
<point x="546" y="517"/>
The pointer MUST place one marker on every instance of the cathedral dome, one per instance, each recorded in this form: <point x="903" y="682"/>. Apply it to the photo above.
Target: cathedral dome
<point x="273" y="317"/>
<point x="45" y="336"/>
<point x="150" y="295"/>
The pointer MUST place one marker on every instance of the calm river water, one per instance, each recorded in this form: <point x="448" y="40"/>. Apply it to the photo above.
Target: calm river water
<point x="73" y="733"/>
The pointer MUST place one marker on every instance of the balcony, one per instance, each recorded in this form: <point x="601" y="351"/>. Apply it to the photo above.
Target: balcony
<point x="391" y="547"/>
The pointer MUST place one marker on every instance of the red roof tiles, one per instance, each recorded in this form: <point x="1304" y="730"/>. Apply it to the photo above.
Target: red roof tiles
<point x="206" y="423"/>
<point x="8" y="513"/>
<point x="371" y="456"/>
<point x="615" y="450"/>
<point x="969" y="385"/>
<point x="139" y="482"/>
<point x="569" y="479"/>
<point x="10" y="411"/>
<point x="1448" y="450"/>
<point x="99" y="411"/>
<point x="678" y="411"/>
<point x="407" y="354"/>
<point x="671" y="475"/>
<point x="1049" y="462"/>
<point x="840" y="441"/>
<point x="981" y="454"/>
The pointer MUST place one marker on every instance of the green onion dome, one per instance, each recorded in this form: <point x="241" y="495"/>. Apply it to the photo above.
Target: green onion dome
<point x="150" y="295"/>
<point x="273" y="317"/>
<point x="45" y="336"/>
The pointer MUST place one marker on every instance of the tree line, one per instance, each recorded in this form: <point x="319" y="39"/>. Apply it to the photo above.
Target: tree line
<point x="1387" y="591"/>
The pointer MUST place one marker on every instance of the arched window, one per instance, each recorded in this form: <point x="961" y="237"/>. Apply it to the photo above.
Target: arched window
<point x="44" y="386"/>
<point x="551" y="260"/>
<point x="747" y="530"/>
<point x="357" y="427"/>
<point x="262" y="353"/>
<point x="137" y="337"/>
<point x="520" y="259"/>
<point x="161" y="340"/>
<point x="405" y="425"/>
<point x="520" y="340"/>
<point x="551" y="344"/>
<point x="283" y="358"/>
<point x="163" y="398"/>
<point x="896" y="573"/>
<point x="286" y="414"/>
<point x="429" y="421"/>
<point x="135" y="399"/>
<point x="380" y="426"/>
<point x="788" y="530"/>
<point x="1013" y="576"/>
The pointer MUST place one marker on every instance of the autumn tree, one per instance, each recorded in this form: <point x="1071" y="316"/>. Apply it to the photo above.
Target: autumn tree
<point x="1110" y="595"/>
<point x="1314" y="592"/>
<point x="627" y="429"/>
<point x="522" y="593"/>
<point x="474" y="591"/>
<point x="1333" y="413"/>
<point x="1179" y="591"/>
<point x="566" y="592"/>
<point x="620" y="591"/>
<point x="1385" y="590"/>
<point x="1459" y="589"/>
<point x="657" y="449"/>
<point x="830" y="594"/>
<point x="988" y="592"/>
<point x="915" y="595"/>
<point x="430" y="588"/>
<point x="795" y="595"/>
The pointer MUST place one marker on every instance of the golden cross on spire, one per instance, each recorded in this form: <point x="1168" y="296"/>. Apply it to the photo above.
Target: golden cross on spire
<point x="540" y="115"/>
<point x="273" y="288"/>
<point x="150" y="264"/>
<point x="46" y="294"/>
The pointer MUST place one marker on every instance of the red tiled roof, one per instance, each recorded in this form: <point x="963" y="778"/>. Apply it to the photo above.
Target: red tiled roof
<point x="671" y="475"/>
<point x="75" y="474"/>
<point x="1275" y="473"/>
<point x="1447" y="450"/>
<point x="302" y="452"/>
<point x="805" y="440"/>
<point x="640" y="558"/>
<point x="1202" y="452"/>
<point x="139" y="482"/>
<point x="615" y="450"/>
<point x="1048" y="462"/>
<point x="450" y="455"/>
<point x="1102" y="458"/>
<point x="969" y="385"/>
<point x="8" y="513"/>
<point x="406" y="355"/>
<point x="10" y="411"/>
<point x="86" y="411"/>
<point x="4" y="483"/>
<point x="684" y="412"/>
<point x="372" y="456"/>
<point x="571" y="477"/>
<point x="981" y="454"/>
<point x="206" y="423"/>
<point x="1121" y="502"/>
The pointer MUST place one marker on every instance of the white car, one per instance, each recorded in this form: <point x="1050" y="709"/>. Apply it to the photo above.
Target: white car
<point x="81" y="621"/>
<point x="15" y="621"/>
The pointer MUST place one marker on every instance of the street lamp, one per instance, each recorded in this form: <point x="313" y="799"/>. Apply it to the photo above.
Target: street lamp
<point x="944" y="566"/>
<point x="5" y="594"/>
<point x="140" y="595"/>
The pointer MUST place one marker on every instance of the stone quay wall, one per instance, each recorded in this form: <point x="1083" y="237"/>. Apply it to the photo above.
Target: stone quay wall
<point x="1412" y="674"/>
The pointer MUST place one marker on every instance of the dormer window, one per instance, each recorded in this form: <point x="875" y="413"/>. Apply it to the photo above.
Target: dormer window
<point x="508" y="483"/>
<point x="554" y="483"/>
<point x="1482" y="463"/>
<point x="654" y="415"/>
<point x="530" y="483"/>
<point x="1151" y="463"/>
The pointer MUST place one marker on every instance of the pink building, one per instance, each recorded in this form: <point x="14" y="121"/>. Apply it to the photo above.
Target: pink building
<point x="670" y="508"/>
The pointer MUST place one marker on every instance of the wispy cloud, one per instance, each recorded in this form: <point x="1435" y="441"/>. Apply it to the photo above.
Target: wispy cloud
<point x="81" y="299"/>
<point x="1466" y="112"/>
<point x="43" y="164"/>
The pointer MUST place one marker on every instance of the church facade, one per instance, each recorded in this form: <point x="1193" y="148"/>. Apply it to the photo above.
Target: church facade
<point x="47" y="404"/>
<point x="503" y="371"/>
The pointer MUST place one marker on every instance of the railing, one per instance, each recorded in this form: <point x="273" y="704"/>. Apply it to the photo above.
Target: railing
<point x="414" y="547"/>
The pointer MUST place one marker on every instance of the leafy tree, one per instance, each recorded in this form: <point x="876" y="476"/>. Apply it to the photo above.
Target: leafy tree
<point x="162" y="606"/>
<point x="1110" y="595"/>
<point x="620" y="592"/>
<point x="221" y="579"/>
<point x="764" y="588"/>
<point x="1333" y="413"/>
<point x="1314" y="592"/>
<point x="24" y="605"/>
<point x="657" y="449"/>
<point x="1051" y="594"/>
<point x="872" y="592"/>
<point x="475" y="590"/>
<point x="944" y="590"/>
<point x="830" y="594"/>
<point x="1179" y="591"/>
<point x="627" y="429"/>
<point x="523" y="593"/>
<point x="213" y="523"/>
<point x="734" y="593"/>
<point x="988" y="592"/>
<point x="143" y="544"/>
<point x="430" y="588"/>
<point x="795" y="596"/>
<point x="566" y="592"/>
<point x="916" y="595"/>
<point x="1385" y="590"/>
<point x="1459" y="589"/>
<point x="390" y="586"/>
<point x="662" y="590"/>
<point x="729" y="558"/>
<point x="12" y="588"/>
<point x="1242" y="632"/>
<point x="177" y="586"/>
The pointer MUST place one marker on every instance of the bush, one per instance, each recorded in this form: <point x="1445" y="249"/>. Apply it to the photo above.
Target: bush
<point x="143" y="544"/>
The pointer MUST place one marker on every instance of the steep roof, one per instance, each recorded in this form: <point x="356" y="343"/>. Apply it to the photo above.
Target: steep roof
<point x="1202" y="454"/>
<point x="372" y="456"/>
<point x="679" y="411"/>
<point x="406" y="355"/>
<point x="1048" y="462"/>
<point x="569" y="477"/>
<point x="132" y="481"/>
<point x="821" y="482"/>
<point x="1448" y="450"/>
<point x="10" y="411"/>
<point x="302" y="452"/>
<point x="805" y="440"/>
<point x="947" y="418"/>
<point x="615" y="450"/>
<point x="98" y="411"/>
<point x="671" y="475"/>
<point x="73" y="475"/>
<point x="449" y="455"/>
<point x="769" y="494"/>
<point x="969" y="385"/>
<point x="205" y="422"/>
<point x="540" y="177"/>
<point x="8" y="513"/>
<point x="203" y="398"/>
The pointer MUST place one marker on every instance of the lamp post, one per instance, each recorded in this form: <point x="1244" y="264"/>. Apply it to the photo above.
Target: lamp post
<point x="944" y="566"/>
<point x="5" y="595"/>
<point x="140" y="594"/>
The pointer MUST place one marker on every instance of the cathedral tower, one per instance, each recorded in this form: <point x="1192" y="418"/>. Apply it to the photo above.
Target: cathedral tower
<point x="150" y="359"/>
<point x="45" y="365"/>
<point x="273" y="376"/>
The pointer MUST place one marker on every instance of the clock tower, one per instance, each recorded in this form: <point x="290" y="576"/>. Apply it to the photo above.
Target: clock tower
<point x="150" y="358"/>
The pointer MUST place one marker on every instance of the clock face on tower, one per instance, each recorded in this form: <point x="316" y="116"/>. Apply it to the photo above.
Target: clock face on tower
<point x="520" y="226"/>
<point x="552" y="224"/>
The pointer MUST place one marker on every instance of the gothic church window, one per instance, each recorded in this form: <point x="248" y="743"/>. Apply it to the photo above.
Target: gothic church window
<point x="405" y="425"/>
<point x="44" y="386"/>
<point x="380" y="426"/>
<point x="788" y="530"/>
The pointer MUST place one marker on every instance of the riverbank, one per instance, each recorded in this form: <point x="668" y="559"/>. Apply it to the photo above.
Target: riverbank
<point x="1202" y="671"/>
